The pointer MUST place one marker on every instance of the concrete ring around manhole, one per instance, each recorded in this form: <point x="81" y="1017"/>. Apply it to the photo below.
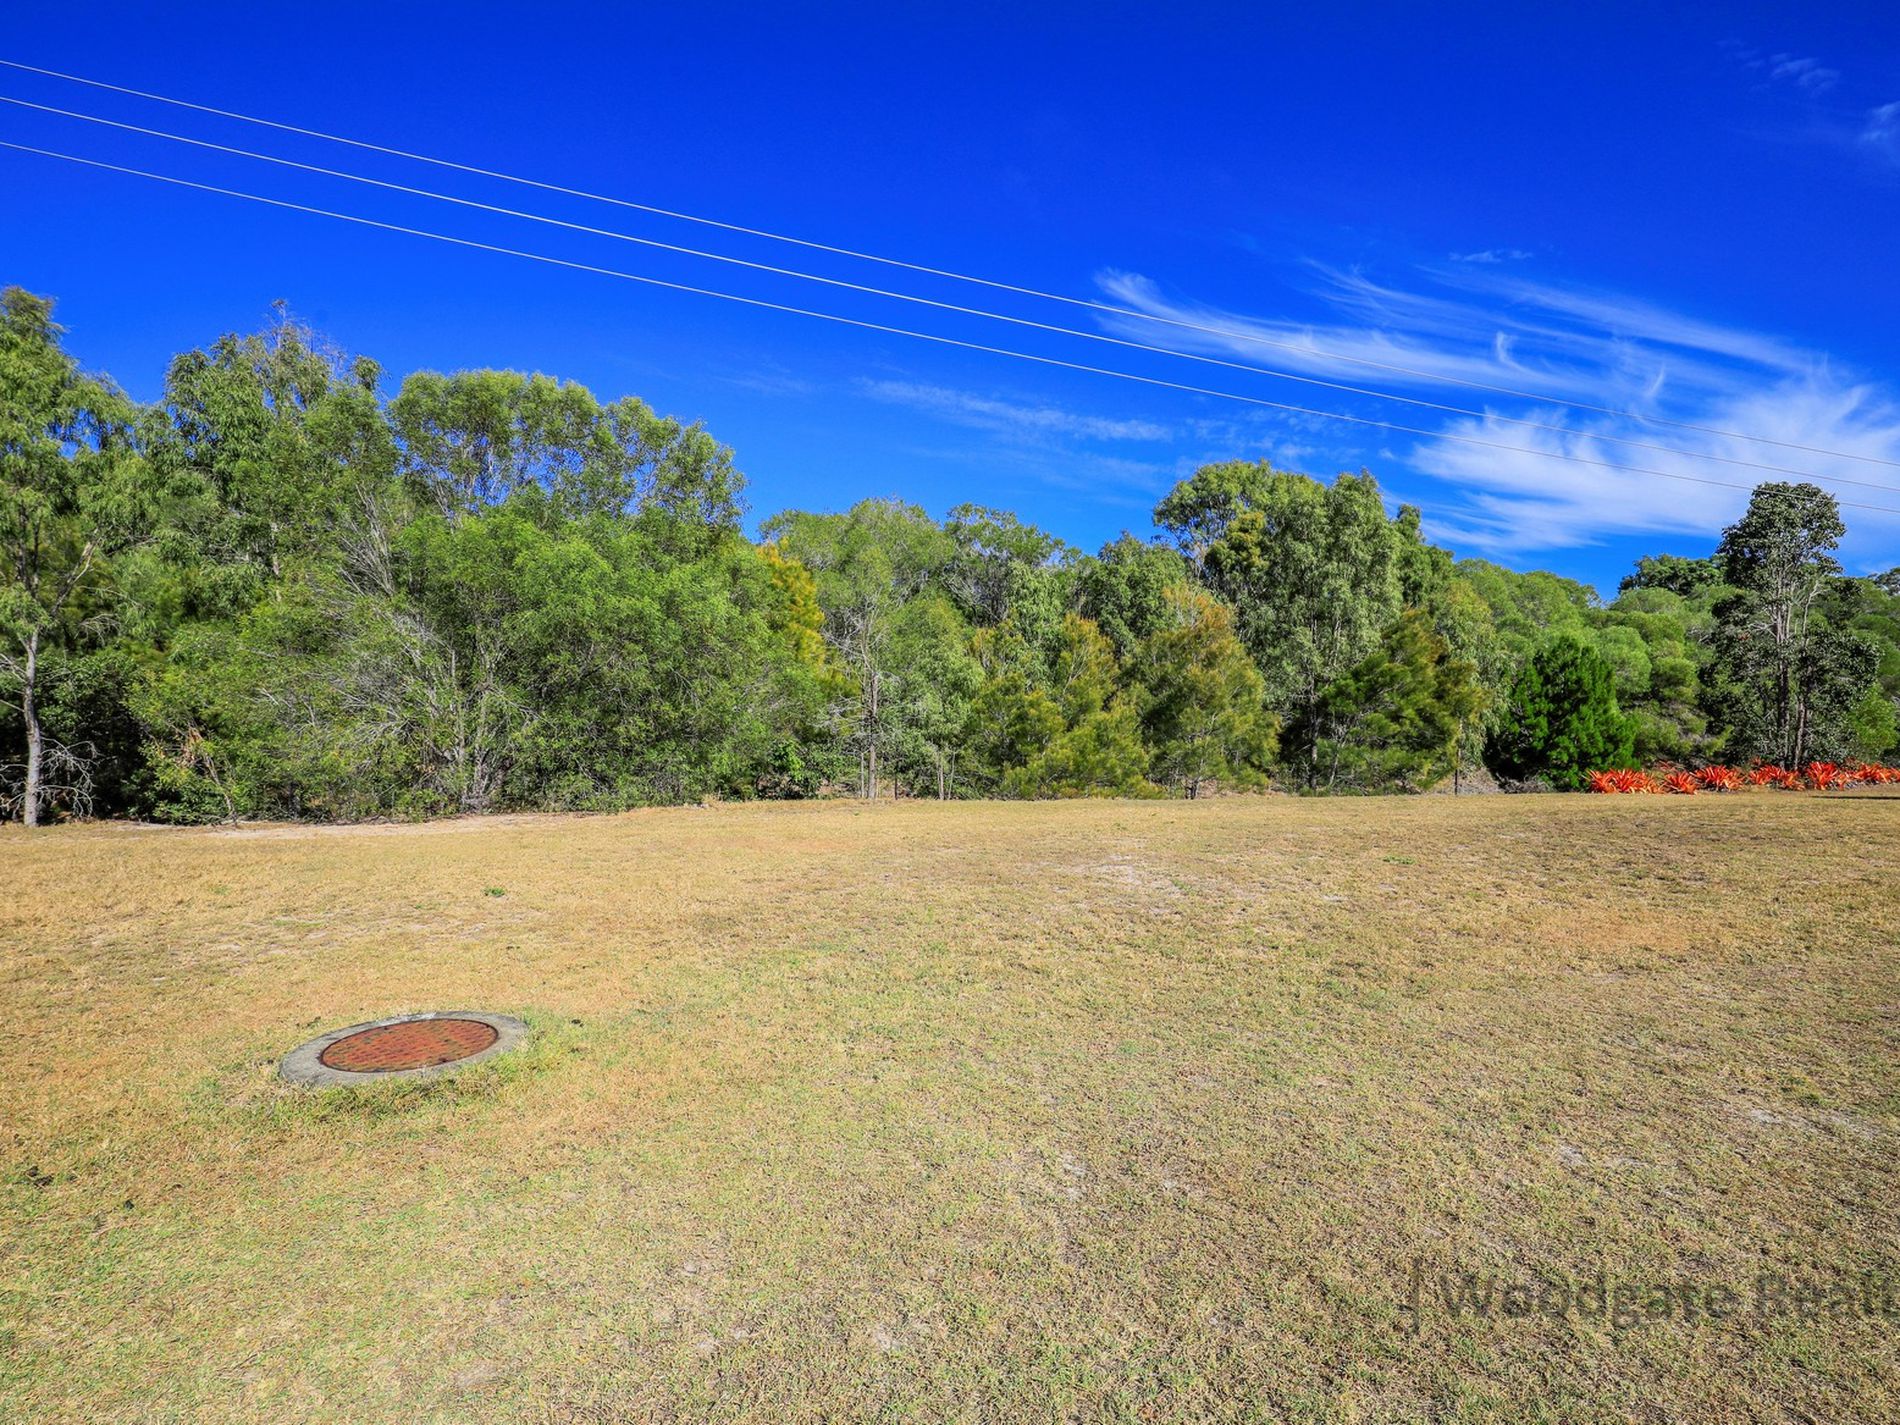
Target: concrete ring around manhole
<point x="407" y="1046"/>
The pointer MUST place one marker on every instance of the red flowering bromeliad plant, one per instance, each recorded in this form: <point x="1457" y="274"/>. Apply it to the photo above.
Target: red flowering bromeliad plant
<point x="1820" y="776"/>
<point x="1766" y="774"/>
<point x="1623" y="780"/>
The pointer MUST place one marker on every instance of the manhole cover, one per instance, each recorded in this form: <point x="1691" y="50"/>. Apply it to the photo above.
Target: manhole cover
<point x="419" y="1044"/>
<point x="407" y="1047"/>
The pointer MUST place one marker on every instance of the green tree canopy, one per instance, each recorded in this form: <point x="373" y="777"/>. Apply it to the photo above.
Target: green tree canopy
<point x="472" y="439"/>
<point x="1396" y="720"/>
<point x="1673" y="573"/>
<point x="870" y="564"/>
<point x="1124" y="589"/>
<point x="1313" y="572"/>
<point x="1203" y="702"/>
<point x="1788" y="681"/>
<point x="1094" y="745"/>
<point x="69" y="503"/>
<point x="279" y="591"/>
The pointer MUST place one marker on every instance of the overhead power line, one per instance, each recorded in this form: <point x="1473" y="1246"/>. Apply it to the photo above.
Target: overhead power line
<point x="1249" y="367"/>
<point x="891" y="330"/>
<point x="1134" y="313"/>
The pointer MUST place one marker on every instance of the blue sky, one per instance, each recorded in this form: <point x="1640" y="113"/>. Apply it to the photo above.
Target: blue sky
<point x="1689" y="211"/>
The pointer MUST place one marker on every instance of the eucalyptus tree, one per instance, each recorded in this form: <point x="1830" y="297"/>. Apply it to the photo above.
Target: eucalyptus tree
<point x="1674" y="573"/>
<point x="275" y="512"/>
<point x="929" y="704"/>
<point x="1526" y="608"/>
<point x="1314" y="572"/>
<point x="1124" y="589"/>
<point x="1789" y="682"/>
<point x="474" y="438"/>
<point x="254" y="445"/>
<point x="1198" y="512"/>
<point x="869" y="564"/>
<point x="69" y="501"/>
<point x="993" y="550"/>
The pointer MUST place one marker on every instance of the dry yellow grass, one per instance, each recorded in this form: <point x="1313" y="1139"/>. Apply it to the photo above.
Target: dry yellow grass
<point x="969" y="1112"/>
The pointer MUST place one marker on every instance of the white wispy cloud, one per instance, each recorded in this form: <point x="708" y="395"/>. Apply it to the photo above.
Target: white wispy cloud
<point x="1501" y="347"/>
<point x="771" y="381"/>
<point x="1804" y="72"/>
<point x="999" y="416"/>
<point x="1881" y="131"/>
<point x="1516" y="492"/>
<point x="1868" y="132"/>
<point x="1493" y="255"/>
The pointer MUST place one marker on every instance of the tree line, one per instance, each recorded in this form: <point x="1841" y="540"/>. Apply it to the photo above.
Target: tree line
<point x="279" y="591"/>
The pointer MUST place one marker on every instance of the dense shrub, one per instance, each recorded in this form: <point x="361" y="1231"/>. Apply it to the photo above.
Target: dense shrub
<point x="1562" y="721"/>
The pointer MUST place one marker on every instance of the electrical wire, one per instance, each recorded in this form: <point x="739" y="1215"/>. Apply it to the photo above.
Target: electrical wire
<point x="532" y="217"/>
<point x="1134" y="313"/>
<point x="892" y="330"/>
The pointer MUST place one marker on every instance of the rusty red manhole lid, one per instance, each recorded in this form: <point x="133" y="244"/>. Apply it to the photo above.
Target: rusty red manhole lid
<point x="408" y="1046"/>
<point x="419" y="1044"/>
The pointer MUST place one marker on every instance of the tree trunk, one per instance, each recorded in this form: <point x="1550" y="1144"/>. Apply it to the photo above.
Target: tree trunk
<point x="230" y="807"/>
<point x="30" y="714"/>
<point x="872" y="739"/>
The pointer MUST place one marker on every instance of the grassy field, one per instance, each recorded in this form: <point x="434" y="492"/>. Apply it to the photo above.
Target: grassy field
<point x="1100" y="1111"/>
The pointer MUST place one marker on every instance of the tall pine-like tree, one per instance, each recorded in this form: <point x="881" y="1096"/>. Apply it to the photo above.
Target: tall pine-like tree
<point x="1396" y="721"/>
<point x="1562" y="721"/>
